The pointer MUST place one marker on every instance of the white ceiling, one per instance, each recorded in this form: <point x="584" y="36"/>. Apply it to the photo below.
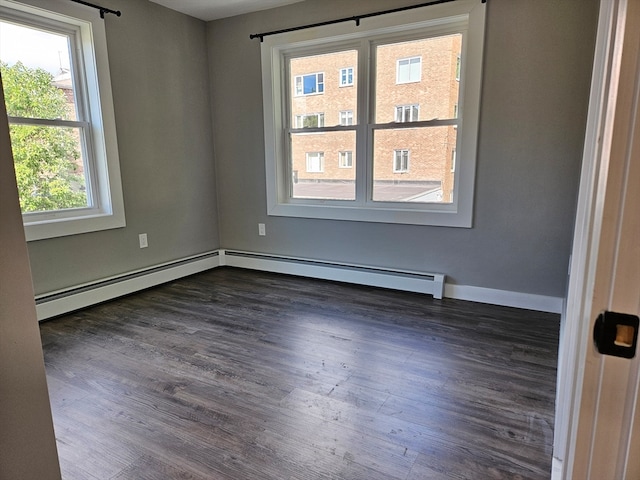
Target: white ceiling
<point x="214" y="9"/>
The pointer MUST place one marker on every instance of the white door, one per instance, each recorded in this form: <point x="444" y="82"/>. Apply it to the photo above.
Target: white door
<point x="598" y="413"/>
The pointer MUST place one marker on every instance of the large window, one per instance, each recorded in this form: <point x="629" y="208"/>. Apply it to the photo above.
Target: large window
<point x="403" y="133"/>
<point x="57" y="91"/>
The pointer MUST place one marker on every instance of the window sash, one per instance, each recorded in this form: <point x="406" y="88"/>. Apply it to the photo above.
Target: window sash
<point x="463" y="16"/>
<point x="95" y="121"/>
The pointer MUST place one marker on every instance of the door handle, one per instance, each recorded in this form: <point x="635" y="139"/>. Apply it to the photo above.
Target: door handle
<point x="616" y="334"/>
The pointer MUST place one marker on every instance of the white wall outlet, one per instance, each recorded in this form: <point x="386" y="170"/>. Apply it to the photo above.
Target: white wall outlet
<point x="142" y="238"/>
<point x="262" y="230"/>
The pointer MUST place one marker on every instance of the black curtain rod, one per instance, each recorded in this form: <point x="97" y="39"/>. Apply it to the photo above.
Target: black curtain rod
<point x="103" y="10"/>
<point x="349" y="19"/>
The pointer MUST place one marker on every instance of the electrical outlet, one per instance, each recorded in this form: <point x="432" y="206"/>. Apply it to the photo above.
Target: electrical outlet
<point x="142" y="238"/>
<point x="262" y="230"/>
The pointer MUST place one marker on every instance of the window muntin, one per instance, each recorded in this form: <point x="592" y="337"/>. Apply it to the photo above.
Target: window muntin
<point x="464" y="18"/>
<point x="346" y="77"/>
<point x="61" y="119"/>
<point x="409" y="70"/>
<point x="310" y="84"/>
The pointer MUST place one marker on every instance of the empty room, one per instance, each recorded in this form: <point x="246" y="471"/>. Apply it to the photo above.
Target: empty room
<point x="314" y="239"/>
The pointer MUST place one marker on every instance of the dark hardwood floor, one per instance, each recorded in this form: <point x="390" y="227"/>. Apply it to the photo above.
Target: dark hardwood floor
<point x="234" y="374"/>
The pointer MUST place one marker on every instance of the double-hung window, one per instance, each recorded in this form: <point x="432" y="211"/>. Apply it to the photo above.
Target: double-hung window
<point x="57" y="91"/>
<point x="400" y="62"/>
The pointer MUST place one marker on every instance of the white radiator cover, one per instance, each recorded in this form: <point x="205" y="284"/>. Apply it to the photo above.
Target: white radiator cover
<point x="60" y="302"/>
<point x="407" y="280"/>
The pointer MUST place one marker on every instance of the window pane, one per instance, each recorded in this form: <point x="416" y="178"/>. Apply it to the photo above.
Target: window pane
<point x="323" y="176"/>
<point x="314" y="91"/>
<point x="49" y="167"/>
<point x="36" y="72"/>
<point x="414" y="165"/>
<point x="419" y="72"/>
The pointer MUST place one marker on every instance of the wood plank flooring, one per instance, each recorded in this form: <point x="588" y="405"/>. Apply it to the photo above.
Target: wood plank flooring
<point x="234" y="374"/>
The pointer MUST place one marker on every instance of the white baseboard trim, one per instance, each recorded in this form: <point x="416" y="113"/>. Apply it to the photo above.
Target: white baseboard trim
<point x="60" y="302"/>
<point x="541" y="303"/>
<point x="556" y="469"/>
<point x="407" y="280"/>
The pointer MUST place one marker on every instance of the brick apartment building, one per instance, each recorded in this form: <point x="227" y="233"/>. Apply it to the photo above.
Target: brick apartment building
<point x="415" y="81"/>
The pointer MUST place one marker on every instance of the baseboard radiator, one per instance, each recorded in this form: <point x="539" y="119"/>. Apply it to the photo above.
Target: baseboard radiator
<point x="407" y="280"/>
<point x="68" y="300"/>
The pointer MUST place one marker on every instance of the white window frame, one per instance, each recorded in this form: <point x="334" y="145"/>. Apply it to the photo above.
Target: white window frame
<point x="410" y="107"/>
<point x="93" y="85"/>
<point x="312" y="157"/>
<point x="346" y="117"/>
<point x="345" y="159"/>
<point x="300" y="92"/>
<point x="409" y="59"/>
<point x="346" y="77"/>
<point x="463" y="16"/>
<point x="401" y="158"/>
<point x="299" y="121"/>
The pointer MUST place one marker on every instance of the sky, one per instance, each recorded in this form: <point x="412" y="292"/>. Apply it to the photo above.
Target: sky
<point x="34" y="48"/>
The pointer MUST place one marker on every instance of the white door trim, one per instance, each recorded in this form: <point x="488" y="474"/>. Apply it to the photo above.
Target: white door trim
<point x="594" y="391"/>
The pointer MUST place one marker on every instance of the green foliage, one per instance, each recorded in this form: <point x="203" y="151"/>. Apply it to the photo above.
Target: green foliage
<point x="47" y="158"/>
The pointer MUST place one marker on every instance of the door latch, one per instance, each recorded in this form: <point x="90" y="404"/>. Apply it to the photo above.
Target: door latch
<point x="616" y="334"/>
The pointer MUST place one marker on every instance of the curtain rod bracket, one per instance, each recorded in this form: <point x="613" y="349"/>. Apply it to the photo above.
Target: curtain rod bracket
<point x="103" y="10"/>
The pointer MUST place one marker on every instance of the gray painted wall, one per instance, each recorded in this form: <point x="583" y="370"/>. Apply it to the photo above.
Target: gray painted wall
<point x="538" y="60"/>
<point x="159" y="70"/>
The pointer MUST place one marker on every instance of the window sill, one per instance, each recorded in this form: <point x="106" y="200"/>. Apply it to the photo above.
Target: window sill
<point x="447" y="216"/>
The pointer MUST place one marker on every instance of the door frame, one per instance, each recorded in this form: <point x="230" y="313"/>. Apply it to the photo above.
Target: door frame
<point x="582" y="447"/>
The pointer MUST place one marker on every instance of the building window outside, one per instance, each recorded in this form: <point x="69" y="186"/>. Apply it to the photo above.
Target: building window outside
<point x="346" y="77"/>
<point x="310" y="84"/>
<point x="383" y="126"/>
<point x="310" y="120"/>
<point x="346" y="117"/>
<point x="407" y="113"/>
<point x="61" y="124"/>
<point x="315" y="162"/>
<point x="401" y="161"/>
<point x="458" y="64"/>
<point x="345" y="159"/>
<point x="409" y="70"/>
